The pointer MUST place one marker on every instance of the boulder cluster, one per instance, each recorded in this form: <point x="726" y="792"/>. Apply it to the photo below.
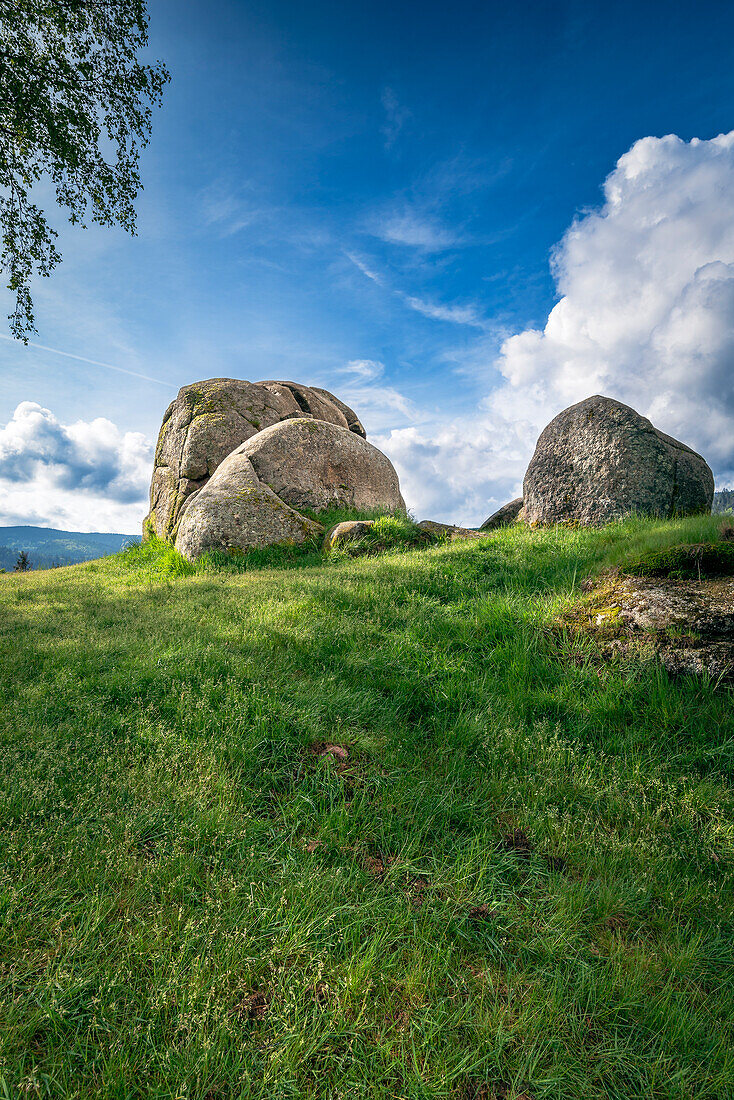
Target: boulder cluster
<point x="238" y="463"/>
<point x="241" y="464"/>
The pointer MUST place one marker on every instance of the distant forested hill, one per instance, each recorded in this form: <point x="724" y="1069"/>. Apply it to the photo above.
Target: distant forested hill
<point x="46" y="547"/>
<point x="723" y="500"/>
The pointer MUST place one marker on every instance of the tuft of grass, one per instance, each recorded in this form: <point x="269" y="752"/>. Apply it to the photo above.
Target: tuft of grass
<point x="388" y="532"/>
<point x="331" y="516"/>
<point x="359" y="829"/>
<point x="154" y="558"/>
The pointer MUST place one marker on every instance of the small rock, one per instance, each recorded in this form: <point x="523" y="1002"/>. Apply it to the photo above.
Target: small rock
<point x="349" y="531"/>
<point x="504" y="516"/>
<point x="446" y="530"/>
<point x="688" y="623"/>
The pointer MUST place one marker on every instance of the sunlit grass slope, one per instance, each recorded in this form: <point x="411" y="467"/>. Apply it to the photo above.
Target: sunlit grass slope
<point x="518" y="883"/>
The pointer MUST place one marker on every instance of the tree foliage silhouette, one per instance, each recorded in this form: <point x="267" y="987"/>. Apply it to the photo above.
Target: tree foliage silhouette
<point x="75" y="110"/>
<point x="23" y="563"/>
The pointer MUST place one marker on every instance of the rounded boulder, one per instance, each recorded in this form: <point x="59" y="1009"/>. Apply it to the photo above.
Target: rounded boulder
<point x="235" y="511"/>
<point x="504" y="516"/>
<point x="599" y="461"/>
<point x="314" y="465"/>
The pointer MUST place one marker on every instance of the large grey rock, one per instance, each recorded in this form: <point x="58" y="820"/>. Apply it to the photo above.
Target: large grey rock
<point x="600" y="460"/>
<point x="316" y="465"/>
<point x="235" y="511"/>
<point x="504" y="516"/>
<point x="208" y="420"/>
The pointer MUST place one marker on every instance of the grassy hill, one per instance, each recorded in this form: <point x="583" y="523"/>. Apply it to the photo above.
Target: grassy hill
<point x="364" y="828"/>
<point x="47" y="547"/>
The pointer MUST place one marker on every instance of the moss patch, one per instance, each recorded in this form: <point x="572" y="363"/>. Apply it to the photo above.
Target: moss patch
<point x="689" y="561"/>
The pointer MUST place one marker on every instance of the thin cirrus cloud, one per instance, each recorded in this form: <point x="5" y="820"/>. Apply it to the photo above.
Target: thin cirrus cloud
<point x="646" y="315"/>
<point x="457" y="315"/>
<point x="397" y="116"/>
<point x="90" y="362"/>
<point x="437" y="311"/>
<point x="226" y="210"/>
<point x="413" y="229"/>
<point x="365" y="268"/>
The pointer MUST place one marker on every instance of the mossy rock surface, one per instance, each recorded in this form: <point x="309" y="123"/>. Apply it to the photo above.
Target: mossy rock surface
<point x="686" y="622"/>
<point x="690" y="560"/>
<point x="210" y="419"/>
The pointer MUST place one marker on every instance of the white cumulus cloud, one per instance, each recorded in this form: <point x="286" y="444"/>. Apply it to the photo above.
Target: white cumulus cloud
<point x="646" y="315"/>
<point x="87" y="475"/>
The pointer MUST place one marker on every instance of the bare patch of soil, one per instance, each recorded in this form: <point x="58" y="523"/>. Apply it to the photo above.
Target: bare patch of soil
<point x="481" y="913"/>
<point x="517" y="841"/>
<point x="255" y="1005"/>
<point x="378" y="865"/>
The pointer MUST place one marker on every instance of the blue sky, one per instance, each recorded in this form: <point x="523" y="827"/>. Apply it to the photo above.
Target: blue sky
<point x="376" y="198"/>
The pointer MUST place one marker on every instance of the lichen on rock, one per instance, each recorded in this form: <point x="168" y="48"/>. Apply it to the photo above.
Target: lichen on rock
<point x="687" y="623"/>
<point x="235" y="511"/>
<point x="599" y="461"/>
<point x="317" y="465"/>
<point x="208" y="420"/>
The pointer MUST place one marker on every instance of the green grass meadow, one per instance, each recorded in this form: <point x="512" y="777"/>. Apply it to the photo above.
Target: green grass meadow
<point x="511" y="877"/>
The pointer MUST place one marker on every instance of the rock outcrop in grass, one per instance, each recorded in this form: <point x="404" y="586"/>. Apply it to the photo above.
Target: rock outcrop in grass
<point x="599" y="461"/>
<point x="677" y="602"/>
<point x="209" y="419"/>
<point x="236" y="461"/>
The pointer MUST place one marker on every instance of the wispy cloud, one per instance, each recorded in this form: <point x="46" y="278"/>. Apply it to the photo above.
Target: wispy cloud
<point x="363" y="267"/>
<point x="368" y="369"/>
<point x="437" y="311"/>
<point x="413" y="229"/>
<point x="457" y="315"/>
<point x="225" y="209"/>
<point x="83" y="359"/>
<point x="396" y="117"/>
